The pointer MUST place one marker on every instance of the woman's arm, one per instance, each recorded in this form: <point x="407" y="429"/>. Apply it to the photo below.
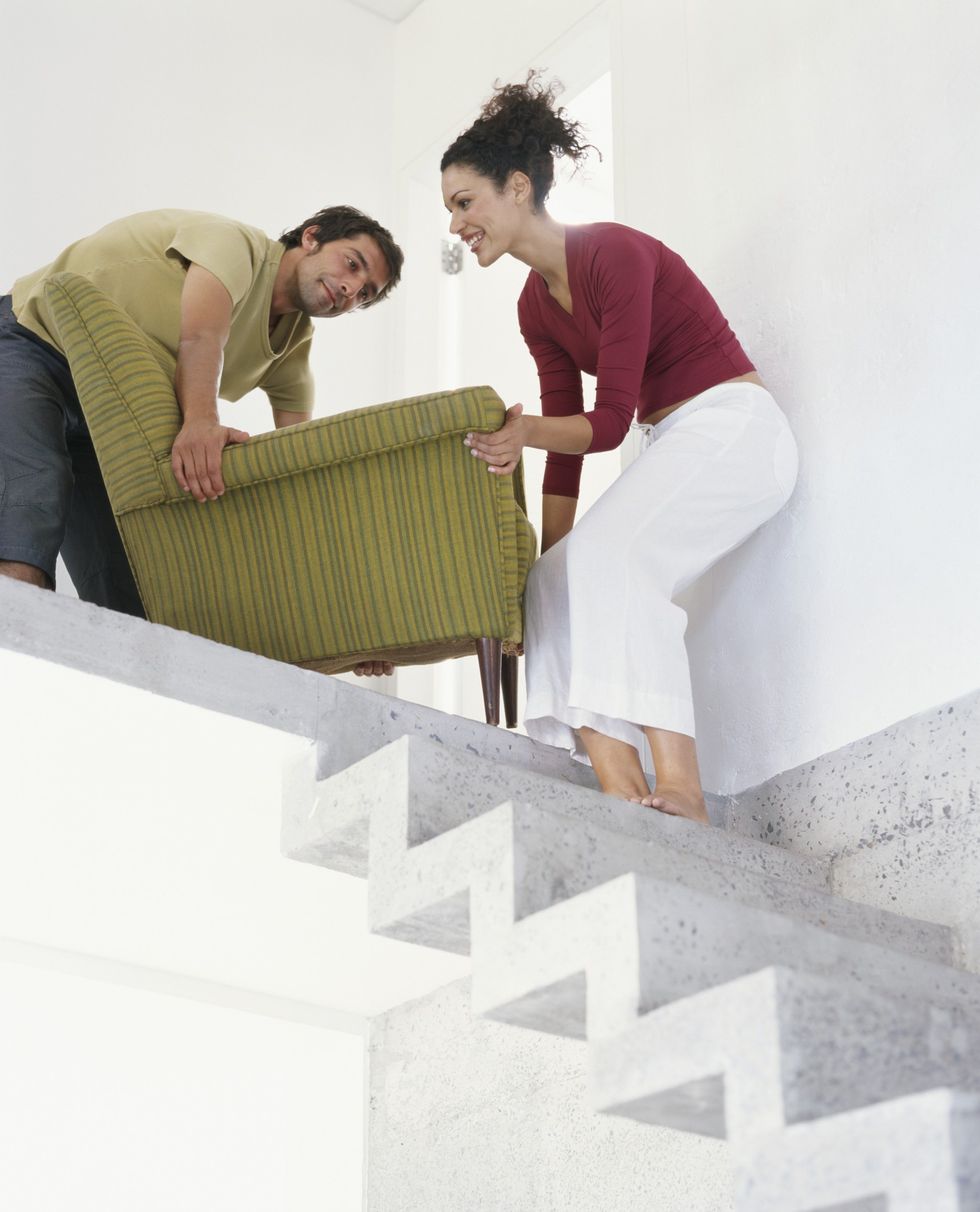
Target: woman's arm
<point x="563" y="430"/>
<point x="557" y="519"/>
<point x="621" y="276"/>
<point x="501" y="451"/>
<point x="561" y="395"/>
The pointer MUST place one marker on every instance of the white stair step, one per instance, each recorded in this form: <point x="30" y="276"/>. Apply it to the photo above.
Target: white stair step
<point x="441" y="787"/>
<point x="521" y="882"/>
<point x="422" y="793"/>
<point x="778" y="1047"/>
<point x="420" y="893"/>
<point x="643" y="942"/>
<point x="915" y="1154"/>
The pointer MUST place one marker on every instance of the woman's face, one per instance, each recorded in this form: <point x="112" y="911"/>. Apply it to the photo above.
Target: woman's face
<point x="485" y="219"/>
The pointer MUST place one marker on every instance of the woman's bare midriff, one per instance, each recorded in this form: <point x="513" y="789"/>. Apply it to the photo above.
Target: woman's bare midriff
<point x="653" y="417"/>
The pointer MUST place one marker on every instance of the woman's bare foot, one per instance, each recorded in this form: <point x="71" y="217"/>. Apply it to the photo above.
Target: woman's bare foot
<point x="617" y="765"/>
<point x="677" y="790"/>
<point x="620" y="773"/>
<point x="677" y="801"/>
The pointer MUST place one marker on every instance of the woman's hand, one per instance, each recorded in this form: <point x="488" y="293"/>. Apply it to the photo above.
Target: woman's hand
<point x="501" y="451"/>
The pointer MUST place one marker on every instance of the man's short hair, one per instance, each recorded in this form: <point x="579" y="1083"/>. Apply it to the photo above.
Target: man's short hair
<point x="341" y="222"/>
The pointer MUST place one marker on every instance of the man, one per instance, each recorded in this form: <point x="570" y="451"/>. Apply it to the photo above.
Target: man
<point x="226" y="309"/>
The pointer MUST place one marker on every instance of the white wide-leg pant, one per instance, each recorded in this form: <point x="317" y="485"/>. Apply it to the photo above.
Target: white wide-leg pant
<point x="604" y="639"/>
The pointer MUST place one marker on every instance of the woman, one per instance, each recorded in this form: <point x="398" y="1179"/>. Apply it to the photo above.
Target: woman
<point x="606" y="664"/>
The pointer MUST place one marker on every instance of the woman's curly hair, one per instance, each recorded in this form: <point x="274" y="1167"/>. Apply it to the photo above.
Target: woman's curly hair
<point x="520" y="129"/>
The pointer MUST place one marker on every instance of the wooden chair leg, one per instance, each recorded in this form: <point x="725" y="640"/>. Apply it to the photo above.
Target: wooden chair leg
<point x="490" y="652"/>
<point x="509" y="682"/>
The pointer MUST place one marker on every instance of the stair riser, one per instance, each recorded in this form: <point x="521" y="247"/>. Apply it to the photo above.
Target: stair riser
<point x="775" y="1048"/>
<point x="417" y="796"/>
<point x="919" y="1154"/>
<point x="688" y="942"/>
<point x="901" y="782"/>
<point x="556" y="859"/>
<point x="446" y="788"/>
<point x="933" y="875"/>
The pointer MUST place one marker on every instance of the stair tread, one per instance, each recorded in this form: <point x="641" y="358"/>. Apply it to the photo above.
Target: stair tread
<point x="569" y="839"/>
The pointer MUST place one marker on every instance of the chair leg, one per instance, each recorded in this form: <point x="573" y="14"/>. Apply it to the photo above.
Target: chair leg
<point x="509" y="681"/>
<point x="490" y="652"/>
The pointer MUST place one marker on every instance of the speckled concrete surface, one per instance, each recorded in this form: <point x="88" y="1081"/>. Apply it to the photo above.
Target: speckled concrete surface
<point x="896" y="814"/>
<point x="778" y="1047"/>
<point x="918" y="1153"/>
<point x="566" y="840"/>
<point x="440" y="787"/>
<point x="901" y="782"/>
<point x="644" y="942"/>
<point x="933" y="874"/>
<point x="583" y="916"/>
<point x="471" y="1116"/>
<point x="586" y="917"/>
<point x="647" y="911"/>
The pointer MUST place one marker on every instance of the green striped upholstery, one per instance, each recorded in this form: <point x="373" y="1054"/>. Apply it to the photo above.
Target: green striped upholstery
<point x="369" y="534"/>
<point x="129" y="402"/>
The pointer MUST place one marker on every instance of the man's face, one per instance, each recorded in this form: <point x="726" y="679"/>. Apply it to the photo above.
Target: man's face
<point x="340" y="275"/>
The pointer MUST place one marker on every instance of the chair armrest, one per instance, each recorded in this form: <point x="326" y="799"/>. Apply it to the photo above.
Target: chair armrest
<point x="361" y="434"/>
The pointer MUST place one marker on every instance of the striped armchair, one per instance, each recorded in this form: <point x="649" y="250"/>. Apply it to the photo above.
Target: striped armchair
<point x="372" y="535"/>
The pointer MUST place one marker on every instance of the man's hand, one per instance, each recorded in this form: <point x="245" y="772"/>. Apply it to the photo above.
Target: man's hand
<point x="501" y="451"/>
<point x="196" y="457"/>
<point x="377" y="669"/>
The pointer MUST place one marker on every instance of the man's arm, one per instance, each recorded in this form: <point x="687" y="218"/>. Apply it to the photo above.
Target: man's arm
<point x="288" y="385"/>
<point x="205" y="321"/>
<point x="287" y="416"/>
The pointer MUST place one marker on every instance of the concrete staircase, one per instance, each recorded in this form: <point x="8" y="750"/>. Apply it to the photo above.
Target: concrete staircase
<point x="723" y="986"/>
<point x="814" y="1001"/>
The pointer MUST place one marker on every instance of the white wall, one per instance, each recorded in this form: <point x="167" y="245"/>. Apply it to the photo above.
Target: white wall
<point x="447" y="61"/>
<point x="818" y="163"/>
<point x="116" y="1099"/>
<point x="472" y="1115"/>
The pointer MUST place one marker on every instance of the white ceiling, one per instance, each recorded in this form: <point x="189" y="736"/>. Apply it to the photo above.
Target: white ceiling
<point x="392" y="10"/>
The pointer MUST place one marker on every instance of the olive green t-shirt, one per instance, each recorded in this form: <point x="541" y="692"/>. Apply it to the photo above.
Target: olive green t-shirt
<point x="141" y="261"/>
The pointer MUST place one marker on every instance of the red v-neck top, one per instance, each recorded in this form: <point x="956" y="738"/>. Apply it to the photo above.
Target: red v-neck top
<point x="642" y="323"/>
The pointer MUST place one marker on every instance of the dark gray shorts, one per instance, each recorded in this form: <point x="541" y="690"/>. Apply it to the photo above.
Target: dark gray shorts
<point x="52" y="496"/>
